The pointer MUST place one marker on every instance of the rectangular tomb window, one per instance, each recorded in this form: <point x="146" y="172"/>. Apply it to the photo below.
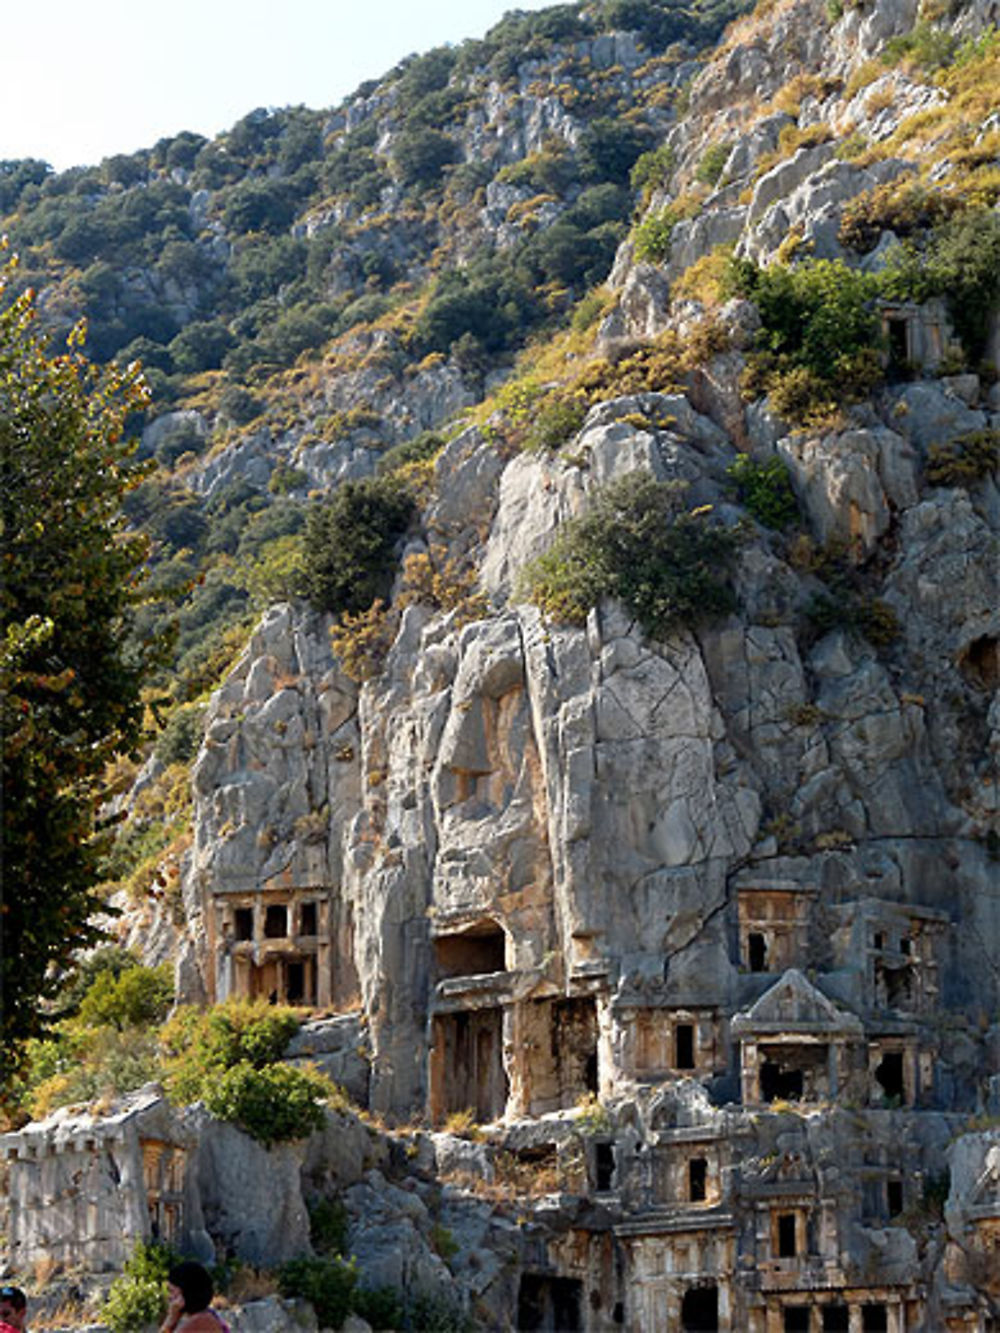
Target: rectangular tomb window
<point x="697" y="1179"/>
<point x="307" y="923"/>
<point x="243" y="923"/>
<point x="898" y="342"/>
<point x="786" y="1236"/>
<point x="548" y="1304"/>
<point x="604" y="1166"/>
<point x="874" y="1319"/>
<point x="894" y="1197"/>
<point x="574" y="1047"/>
<point x="295" y="982"/>
<point x="796" y="1319"/>
<point x="756" y="952"/>
<point x="889" y="1076"/>
<point x="836" y="1319"/>
<point x="469" y="953"/>
<point x="276" y="922"/>
<point x="777" y="1083"/>
<point x="700" y="1310"/>
<point x="684" y="1046"/>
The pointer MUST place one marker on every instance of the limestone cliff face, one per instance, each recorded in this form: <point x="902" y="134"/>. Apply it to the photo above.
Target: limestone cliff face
<point x="594" y="793"/>
<point x="737" y="884"/>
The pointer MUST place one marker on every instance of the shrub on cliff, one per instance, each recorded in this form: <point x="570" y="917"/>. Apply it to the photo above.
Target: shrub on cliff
<point x="138" y="997"/>
<point x="819" y="335"/>
<point x="765" y="489"/>
<point x="272" y="1104"/>
<point x="327" y="1284"/>
<point x="960" y="262"/>
<point x="228" y="1057"/>
<point x="200" y="1044"/>
<point x="671" y="568"/>
<point x="350" y="544"/>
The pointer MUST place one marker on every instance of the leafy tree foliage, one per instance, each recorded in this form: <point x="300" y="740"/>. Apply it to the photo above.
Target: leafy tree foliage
<point x="70" y="688"/>
<point x="766" y="490"/>
<point x="328" y="1285"/>
<point x="350" y="543"/>
<point x="420" y="155"/>
<point x="272" y="1104"/>
<point x="960" y="261"/>
<point x="200" y="1043"/>
<point x="15" y="177"/>
<point x="819" y="337"/>
<point x="139" y="1296"/>
<point x="636" y="543"/>
<point x="137" y="997"/>
<point x="228" y="1057"/>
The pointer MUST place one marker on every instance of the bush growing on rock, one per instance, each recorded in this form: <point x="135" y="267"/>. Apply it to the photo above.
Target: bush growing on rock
<point x="136" y="998"/>
<point x="819" y="338"/>
<point x="420" y="155"/>
<point x="227" y="1057"/>
<point x="273" y="1104"/>
<point x="961" y="262"/>
<point x="903" y="207"/>
<point x="327" y="1284"/>
<point x="350" y="544"/>
<point x="179" y="740"/>
<point x="653" y="236"/>
<point x="848" y="600"/>
<point x="765" y="489"/>
<point x="964" y="460"/>
<point x="709" y="169"/>
<point x="327" y="1225"/>
<point x="669" y="567"/>
<point x="557" y="420"/>
<point x="201" y="1044"/>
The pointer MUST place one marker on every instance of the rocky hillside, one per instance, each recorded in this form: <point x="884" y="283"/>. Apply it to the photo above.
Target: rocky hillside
<point x="650" y="816"/>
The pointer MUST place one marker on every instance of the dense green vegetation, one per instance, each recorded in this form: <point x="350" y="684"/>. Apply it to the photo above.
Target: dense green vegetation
<point x="350" y="543"/>
<point x="103" y="1035"/>
<point x="70" y="682"/>
<point x="229" y="1058"/>
<point x="671" y="568"/>
<point x="139" y="1296"/>
<point x="818" y="345"/>
<point x="960" y="261"/>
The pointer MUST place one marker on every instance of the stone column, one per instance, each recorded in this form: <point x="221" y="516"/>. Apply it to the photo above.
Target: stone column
<point x="514" y="1055"/>
<point x="750" y="1073"/>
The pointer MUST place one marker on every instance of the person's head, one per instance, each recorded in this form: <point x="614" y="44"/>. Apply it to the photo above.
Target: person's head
<point x="13" y="1306"/>
<point x="194" y="1284"/>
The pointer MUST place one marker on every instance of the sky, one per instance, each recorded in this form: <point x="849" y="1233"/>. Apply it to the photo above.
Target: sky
<point x="83" y="79"/>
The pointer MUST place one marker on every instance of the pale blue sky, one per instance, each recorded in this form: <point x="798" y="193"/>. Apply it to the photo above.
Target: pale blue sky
<point x="82" y="79"/>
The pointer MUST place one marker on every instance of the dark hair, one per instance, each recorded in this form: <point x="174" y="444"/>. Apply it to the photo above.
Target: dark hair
<point x="15" y="1295"/>
<point x="195" y="1284"/>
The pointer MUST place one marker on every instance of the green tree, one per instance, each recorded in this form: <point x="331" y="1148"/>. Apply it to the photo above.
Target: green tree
<point x="420" y="155"/>
<point x="670" y="568"/>
<point x="136" y="998"/>
<point x="70" y="676"/>
<point x="350" y="543"/>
